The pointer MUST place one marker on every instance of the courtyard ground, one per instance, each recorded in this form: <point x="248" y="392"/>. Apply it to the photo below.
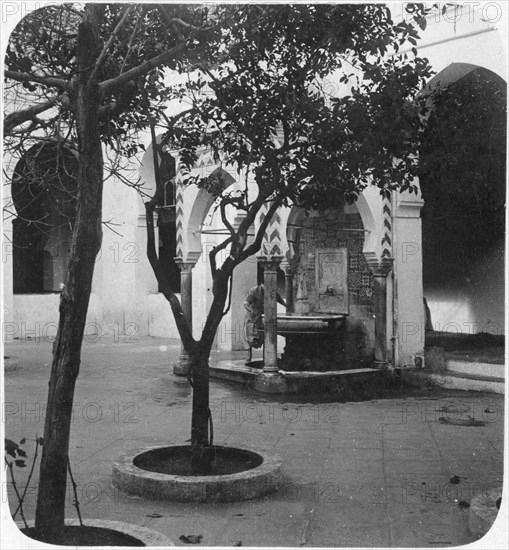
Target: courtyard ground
<point x="396" y="471"/>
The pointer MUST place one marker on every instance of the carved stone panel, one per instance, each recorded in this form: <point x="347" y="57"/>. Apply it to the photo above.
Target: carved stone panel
<point x="331" y="280"/>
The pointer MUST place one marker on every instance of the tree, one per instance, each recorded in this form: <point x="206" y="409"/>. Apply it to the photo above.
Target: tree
<point x="81" y="74"/>
<point x="96" y="75"/>
<point x="270" y="117"/>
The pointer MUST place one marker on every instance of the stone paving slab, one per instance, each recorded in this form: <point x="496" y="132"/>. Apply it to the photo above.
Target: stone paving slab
<point x="368" y="474"/>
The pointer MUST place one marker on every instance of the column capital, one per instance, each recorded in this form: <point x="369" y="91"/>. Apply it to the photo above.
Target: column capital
<point x="372" y="261"/>
<point x="380" y="268"/>
<point x="285" y="266"/>
<point x="289" y="266"/>
<point x="384" y="267"/>
<point x="270" y="263"/>
<point x="409" y="207"/>
<point x="185" y="267"/>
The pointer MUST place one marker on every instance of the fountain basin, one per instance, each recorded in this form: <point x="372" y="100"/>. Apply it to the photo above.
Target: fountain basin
<point x="314" y="341"/>
<point x="310" y="323"/>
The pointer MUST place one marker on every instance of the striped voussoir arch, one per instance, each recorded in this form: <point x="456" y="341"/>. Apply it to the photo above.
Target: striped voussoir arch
<point x="387" y="226"/>
<point x="271" y="245"/>
<point x="274" y="234"/>
<point x="179" y="215"/>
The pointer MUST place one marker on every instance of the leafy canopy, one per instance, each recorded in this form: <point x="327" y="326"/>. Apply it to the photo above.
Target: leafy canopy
<point x="141" y="41"/>
<point x="270" y="109"/>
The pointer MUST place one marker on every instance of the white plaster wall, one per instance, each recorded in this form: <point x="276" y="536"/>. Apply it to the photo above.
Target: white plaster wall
<point x="202" y="291"/>
<point x="159" y="317"/>
<point x="476" y="305"/>
<point x="8" y="312"/>
<point x="464" y="37"/>
<point x="36" y="316"/>
<point x="7" y="283"/>
<point x="115" y="270"/>
<point x="369" y="205"/>
<point x="408" y="272"/>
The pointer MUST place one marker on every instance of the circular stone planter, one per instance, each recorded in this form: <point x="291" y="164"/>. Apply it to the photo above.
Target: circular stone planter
<point x="128" y="533"/>
<point x="263" y="476"/>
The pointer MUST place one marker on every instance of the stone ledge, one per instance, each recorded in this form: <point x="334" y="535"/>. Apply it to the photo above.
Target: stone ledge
<point x="328" y="374"/>
<point x="454" y="381"/>
<point x="475" y="368"/>
<point x="233" y="371"/>
<point x="291" y="381"/>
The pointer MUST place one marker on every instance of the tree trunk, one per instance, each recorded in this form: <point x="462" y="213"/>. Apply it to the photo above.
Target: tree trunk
<point x="86" y="242"/>
<point x="201" y="460"/>
<point x="200" y="416"/>
<point x="201" y="421"/>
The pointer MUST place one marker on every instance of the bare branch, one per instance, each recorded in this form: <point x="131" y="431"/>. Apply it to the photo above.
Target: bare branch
<point x="54" y="82"/>
<point x="177" y="21"/>
<point x="108" y="224"/>
<point x="113" y="35"/>
<point x="215" y="250"/>
<point x="144" y="68"/>
<point x="225" y="220"/>
<point x="256" y="244"/>
<point x="247" y="222"/>
<point x="188" y="341"/>
<point x="71" y="9"/>
<point x="131" y="39"/>
<point x="19" y="117"/>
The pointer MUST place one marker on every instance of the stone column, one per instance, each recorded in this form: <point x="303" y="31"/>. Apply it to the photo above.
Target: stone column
<point x="183" y="365"/>
<point x="270" y="316"/>
<point x="380" y="295"/>
<point x="289" y="274"/>
<point x="269" y="380"/>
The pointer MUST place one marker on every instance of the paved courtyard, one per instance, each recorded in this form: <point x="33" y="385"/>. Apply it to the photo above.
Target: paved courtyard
<point x="374" y="473"/>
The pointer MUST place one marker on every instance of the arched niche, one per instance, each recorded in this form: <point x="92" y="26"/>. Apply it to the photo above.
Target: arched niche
<point x="44" y="192"/>
<point x="292" y="218"/>
<point x="462" y="180"/>
<point x="193" y="218"/>
<point x="325" y="251"/>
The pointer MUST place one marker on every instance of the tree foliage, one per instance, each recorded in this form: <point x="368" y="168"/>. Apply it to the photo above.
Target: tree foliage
<point x="140" y="41"/>
<point x="267" y="110"/>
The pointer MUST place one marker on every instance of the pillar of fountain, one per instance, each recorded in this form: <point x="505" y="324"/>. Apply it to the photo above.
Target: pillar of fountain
<point x="289" y="274"/>
<point x="302" y="303"/>
<point x="380" y="293"/>
<point x="269" y="380"/>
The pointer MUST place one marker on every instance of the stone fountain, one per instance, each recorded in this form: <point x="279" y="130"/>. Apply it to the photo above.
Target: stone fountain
<point x="315" y="336"/>
<point x="315" y="330"/>
<point x="329" y="323"/>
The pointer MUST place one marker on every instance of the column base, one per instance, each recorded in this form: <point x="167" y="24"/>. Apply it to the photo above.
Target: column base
<point x="270" y="383"/>
<point x="182" y="367"/>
